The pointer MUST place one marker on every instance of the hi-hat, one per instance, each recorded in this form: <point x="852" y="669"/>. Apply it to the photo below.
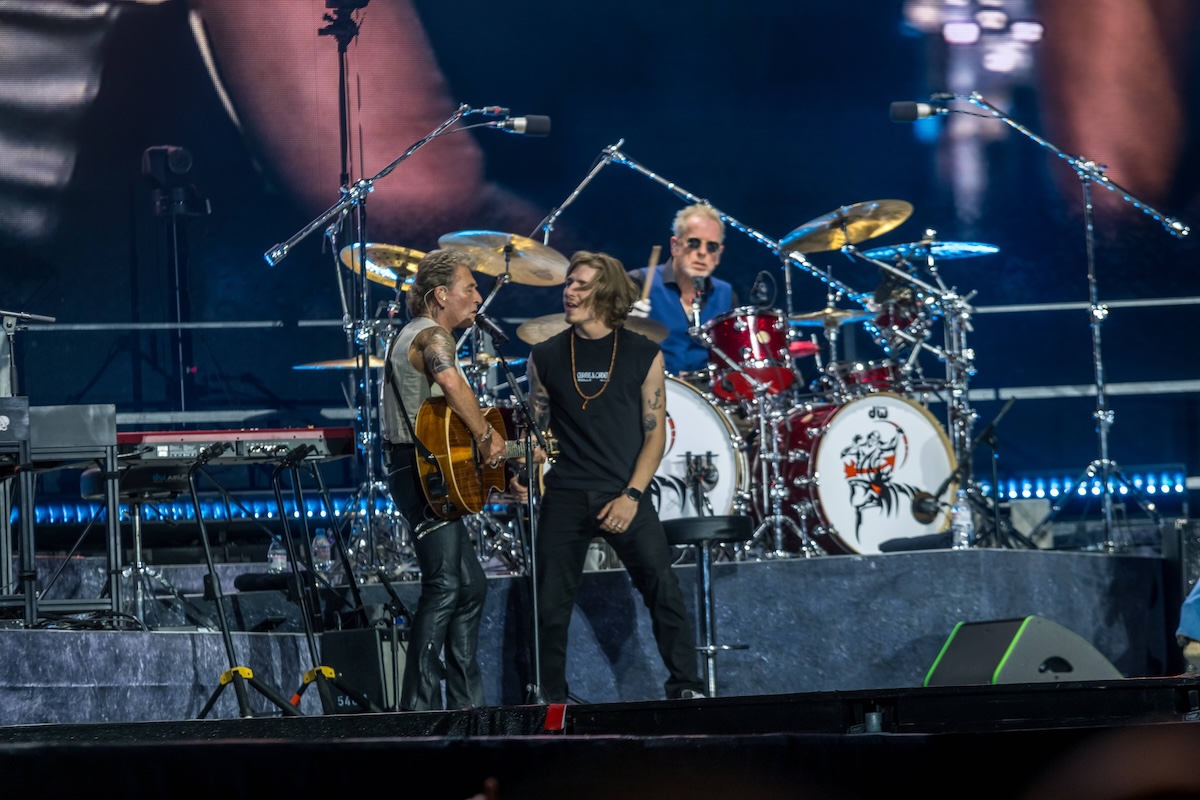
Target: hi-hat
<point x="847" y="225"/>
<point x="354" y="362"/>
<point x="829" y="317"/>
<point x="539" y="329"/>
<point x="386" y="263"/>
<point x="528" y="262"/>
<point x="937" y="250"/>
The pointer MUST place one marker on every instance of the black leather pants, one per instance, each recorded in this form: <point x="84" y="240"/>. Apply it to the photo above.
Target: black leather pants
<point x="453" y="590"/>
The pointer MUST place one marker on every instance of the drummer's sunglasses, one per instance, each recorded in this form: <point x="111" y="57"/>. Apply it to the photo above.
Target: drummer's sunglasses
<point x="711" y="247"/>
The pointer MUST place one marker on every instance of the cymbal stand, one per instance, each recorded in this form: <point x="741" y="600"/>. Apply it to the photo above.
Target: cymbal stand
<point x="1104" y="469"/>
<point x="774" y="491"/>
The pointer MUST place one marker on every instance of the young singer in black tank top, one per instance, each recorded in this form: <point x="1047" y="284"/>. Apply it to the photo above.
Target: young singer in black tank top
<point x="600" y="390"/>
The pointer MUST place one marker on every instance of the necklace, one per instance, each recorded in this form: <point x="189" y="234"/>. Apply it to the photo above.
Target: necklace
<point x="575" y="375"/>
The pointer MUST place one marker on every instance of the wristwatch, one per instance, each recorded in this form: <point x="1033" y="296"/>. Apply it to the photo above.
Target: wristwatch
<point x="633" y="494"/>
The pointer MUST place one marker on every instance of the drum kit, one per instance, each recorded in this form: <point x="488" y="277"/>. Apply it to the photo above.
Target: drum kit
<point x="825" y="453"/>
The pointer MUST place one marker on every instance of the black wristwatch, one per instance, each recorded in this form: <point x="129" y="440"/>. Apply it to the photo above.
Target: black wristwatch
<point x="633" y="494"/>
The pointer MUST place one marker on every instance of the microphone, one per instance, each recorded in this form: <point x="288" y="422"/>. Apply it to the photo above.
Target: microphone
<point x="531" y="125"/>
<point x="907" y="111"/>
<point x="489" y="326"/>
<point x="924" y="507"/>
<point x="759" y="293"/>
<point x="698" y="287"/>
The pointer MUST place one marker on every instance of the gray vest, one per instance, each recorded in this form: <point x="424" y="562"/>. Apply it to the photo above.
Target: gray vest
<point x="414" y="385"/>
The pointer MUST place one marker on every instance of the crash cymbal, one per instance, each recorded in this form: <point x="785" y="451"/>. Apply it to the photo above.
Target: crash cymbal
<point x="539" y="329"/>
<point x="342" y="363"/>
<point x="386" y="263"/>
<point x="529" y="262"/>
<point x="829" y="317"/>
<point x="848" y="225"/>
<point x="938" y="250"/>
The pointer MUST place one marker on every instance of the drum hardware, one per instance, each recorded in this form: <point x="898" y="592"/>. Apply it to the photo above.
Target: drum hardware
<point x="789" y="257"/>
<point x="1104" y="468"/>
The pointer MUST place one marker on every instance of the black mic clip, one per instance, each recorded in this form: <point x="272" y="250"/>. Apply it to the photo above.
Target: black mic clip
<point x="489" y="326"/>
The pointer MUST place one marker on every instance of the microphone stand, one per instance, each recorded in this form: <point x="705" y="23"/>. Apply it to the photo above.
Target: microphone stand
<point x="547" y="224"/>
<point x="1089" y="172"/>
<point x="962" y="469"/>
<point x="534" y="690"/>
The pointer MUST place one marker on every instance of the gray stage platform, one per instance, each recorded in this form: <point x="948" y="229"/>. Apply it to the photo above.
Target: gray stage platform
<point x="812" y="625"/>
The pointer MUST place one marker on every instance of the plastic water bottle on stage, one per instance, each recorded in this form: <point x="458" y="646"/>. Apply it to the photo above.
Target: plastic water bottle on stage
<point x="962" y="522"/>
<point x="322" y="552"/>
<point x="277" y="559"/>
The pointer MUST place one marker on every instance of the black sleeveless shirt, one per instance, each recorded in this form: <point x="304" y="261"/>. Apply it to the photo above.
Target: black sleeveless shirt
<point x="599" y="445"/>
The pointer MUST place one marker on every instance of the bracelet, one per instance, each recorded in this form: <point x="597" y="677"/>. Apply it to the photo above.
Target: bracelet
<point x="486" y="435"/>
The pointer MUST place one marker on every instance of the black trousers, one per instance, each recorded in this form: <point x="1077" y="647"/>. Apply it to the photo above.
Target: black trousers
<point x="453" y="590"/>
<point x="566" y="525"/>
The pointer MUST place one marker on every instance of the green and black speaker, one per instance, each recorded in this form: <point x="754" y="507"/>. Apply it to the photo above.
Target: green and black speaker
<point x="1025" y="650"/>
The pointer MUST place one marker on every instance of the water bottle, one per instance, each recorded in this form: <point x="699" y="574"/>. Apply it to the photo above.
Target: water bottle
<point x="277" y="559"/>
<point x="962" y="522"/>
<point x="322" y="552"/>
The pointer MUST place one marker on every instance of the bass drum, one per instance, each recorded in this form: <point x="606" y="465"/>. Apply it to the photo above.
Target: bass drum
<point x="701" y="440"/>
<point x="852" y="471"/>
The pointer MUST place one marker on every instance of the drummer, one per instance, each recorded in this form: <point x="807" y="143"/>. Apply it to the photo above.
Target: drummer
<point x="686" y="278"/>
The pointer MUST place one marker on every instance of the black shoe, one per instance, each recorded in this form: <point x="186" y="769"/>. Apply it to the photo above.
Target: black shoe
<point x="692" y="694"/>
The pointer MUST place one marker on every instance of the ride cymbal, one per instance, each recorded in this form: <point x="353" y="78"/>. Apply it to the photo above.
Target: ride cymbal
<point x="829" y="317"/>
<point x="527" y="261"/>
<point x="354" y="362"/>
<point x="936" y="250"/>
<point x="847" y="225"/>
<point x="385" y="262"/>
<point x="539" y="329"/>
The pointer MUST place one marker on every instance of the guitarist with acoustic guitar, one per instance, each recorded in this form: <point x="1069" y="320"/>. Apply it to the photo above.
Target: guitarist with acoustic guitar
<point x="422" y="363"/>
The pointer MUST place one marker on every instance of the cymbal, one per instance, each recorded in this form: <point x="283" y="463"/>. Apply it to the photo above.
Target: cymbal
<point x="539" y="329"/>
<point x="529" y="262"/>
<point x="385" y="262"/>
<point x="938" y="250"/>
<point x="342" y="363"/>
<point x="829" y="317"/>
<point x="848" y="225"/>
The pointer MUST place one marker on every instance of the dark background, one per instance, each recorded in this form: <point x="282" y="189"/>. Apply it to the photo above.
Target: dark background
<point x="776" y="112"/>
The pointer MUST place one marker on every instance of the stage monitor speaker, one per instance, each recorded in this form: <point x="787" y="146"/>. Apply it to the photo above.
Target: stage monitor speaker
<point x="1027" y="650"/>
<point x="368" y="660"/>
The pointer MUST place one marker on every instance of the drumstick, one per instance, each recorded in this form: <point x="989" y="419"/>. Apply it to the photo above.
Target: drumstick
<point x="653" y="265"/>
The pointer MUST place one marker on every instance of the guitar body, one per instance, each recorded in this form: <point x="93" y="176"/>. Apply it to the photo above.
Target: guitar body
<point x="455" y="482"/>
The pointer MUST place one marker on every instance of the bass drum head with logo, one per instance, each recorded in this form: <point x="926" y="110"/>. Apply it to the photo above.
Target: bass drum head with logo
<point x="696" y="429"/>
<point x="866" y="461"/>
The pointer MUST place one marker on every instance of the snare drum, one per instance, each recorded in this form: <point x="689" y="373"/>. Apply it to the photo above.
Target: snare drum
<point x="702" y="435"/>
<point x="852" y="470"/>
<point x="756" y="340"/>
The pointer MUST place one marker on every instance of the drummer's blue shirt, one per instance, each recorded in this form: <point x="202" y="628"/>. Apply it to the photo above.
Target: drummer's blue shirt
<point x="680" y="353"/>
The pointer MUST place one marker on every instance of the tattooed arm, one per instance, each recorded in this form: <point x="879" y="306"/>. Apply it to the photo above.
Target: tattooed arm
<point x="654" y="424"/>
<point x="433" y="352"/>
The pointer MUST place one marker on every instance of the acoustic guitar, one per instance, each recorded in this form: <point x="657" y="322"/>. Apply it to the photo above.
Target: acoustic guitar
<point x="455" y="480"/>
